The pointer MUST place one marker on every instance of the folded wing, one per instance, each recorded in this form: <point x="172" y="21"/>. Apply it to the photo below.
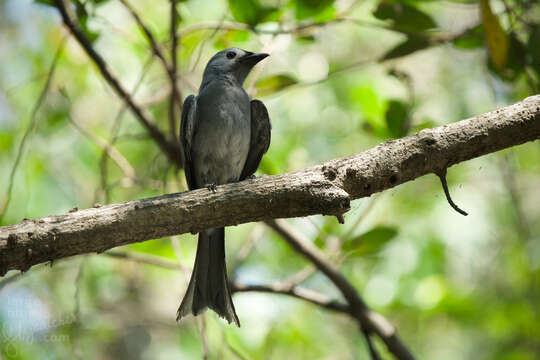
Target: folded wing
<point x="260" y="138"/>
<point x="187" y="132"/>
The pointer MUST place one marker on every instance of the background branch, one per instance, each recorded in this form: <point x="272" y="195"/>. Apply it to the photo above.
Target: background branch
<point x="169" y="148"/>
<point x="367" y="320"/>
<point x="377" y="322"/>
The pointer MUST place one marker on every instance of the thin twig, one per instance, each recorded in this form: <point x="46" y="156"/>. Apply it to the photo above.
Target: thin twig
<point x="154" y="46"/>
<point x="143" y="259"/>
<point x="233" y="351"/>
<point x="170" y="149"/>
<point x="115" y="128"/>
<point x="175" y="242"/>
<point x="112" y="152"/>
<point x="76" y="326"/>
<point x="372" y="200"/>
<point x="507" y="168"/>
<point x="298" y="292"/>
<point x="202" y="44"/>
<point x="174" y="89"/>
<point x="243" y="252"/>
<point x="442" y="176"/>
<point x="204" y="337"/>
<point x="372" y="350"/>
<point x="300" y="276"/>
<point x="156" y="50"/>
<point x="31" y="126"/>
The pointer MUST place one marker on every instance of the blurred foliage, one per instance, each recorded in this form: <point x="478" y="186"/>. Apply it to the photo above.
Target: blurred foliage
<point x="343" y="76"/>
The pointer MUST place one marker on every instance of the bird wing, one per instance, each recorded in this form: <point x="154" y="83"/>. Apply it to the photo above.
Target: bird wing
<point x="187" y="131"/>
<point x="260" y="137"/>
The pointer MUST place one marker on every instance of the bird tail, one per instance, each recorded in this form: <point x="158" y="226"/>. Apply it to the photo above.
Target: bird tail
<point x="209" y="286"/>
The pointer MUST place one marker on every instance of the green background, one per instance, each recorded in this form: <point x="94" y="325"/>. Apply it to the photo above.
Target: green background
<point x="342" y="77"/>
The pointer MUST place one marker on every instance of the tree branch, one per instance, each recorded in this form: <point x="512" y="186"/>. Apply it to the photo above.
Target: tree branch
<point x="323" y="189"/>
<point x="298" y="292"/>
<point x="367" y="319"/>
<point x="169" y="148"/>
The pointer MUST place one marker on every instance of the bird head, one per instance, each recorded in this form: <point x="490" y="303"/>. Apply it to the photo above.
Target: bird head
<point x="232" y="62"/>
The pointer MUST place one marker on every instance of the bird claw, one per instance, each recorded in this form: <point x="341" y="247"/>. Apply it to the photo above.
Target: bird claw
<point x="212" y="187"/>
<point x="251" y="177"/>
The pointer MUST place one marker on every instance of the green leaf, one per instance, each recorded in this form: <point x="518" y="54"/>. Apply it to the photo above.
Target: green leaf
<point x="471" y="39"/>
<point x="274" y="83"/>
<point x="496" y="38"/>
<point x="397" y="116"/>
<point x="245" y="11"/>
<point x="404" y="17"/>
<point x="517" y="55"/>
<point x="321" y="10"/>
<point x="371" y="241"/>
<point x="91" y="35"/>
<point x="6" y="141"/>
<point x="307" y="39"/>
<point x="424" y="124"/>
<point x="412" y="44"/>
<point x="251" y="12"/>
<point x="99" y="2"/>
<point x="45" y="2"/>
<point x="533" y="47"/>
<point x="268" y="166"/>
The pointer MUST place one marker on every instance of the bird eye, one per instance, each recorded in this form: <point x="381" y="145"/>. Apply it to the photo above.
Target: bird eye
<point x="231" y="55"/>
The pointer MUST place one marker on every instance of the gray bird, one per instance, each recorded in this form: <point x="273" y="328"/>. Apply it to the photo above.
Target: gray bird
<point x="223" y="137"/>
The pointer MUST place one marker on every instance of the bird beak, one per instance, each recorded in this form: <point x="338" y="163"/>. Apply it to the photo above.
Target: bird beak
<point x="252" y="59"/>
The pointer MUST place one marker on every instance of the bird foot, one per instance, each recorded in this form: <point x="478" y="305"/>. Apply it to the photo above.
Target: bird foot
<point x="211" y="187"/>
<point x="251" y="177"/>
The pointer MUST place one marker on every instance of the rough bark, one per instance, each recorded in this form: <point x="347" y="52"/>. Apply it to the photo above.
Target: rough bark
<point x="324" y="189"/>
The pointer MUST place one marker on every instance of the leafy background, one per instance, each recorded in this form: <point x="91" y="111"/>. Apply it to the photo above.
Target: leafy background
<point x="343" y="76"/>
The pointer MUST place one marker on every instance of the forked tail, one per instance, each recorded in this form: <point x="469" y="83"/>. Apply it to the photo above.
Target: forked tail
<point x="209" y="286"/>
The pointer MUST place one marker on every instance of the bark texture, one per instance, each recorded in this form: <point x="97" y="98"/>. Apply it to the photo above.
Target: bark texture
<point x="324" y="189"/>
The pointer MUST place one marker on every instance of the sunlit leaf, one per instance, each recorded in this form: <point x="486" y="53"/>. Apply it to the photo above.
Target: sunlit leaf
<point x="245" y="11"/>
<point x="515" y="64"/>
<point x="319" y="9"/>
<point x="268" y="166"/>
<point x="99" y="2"/>
<point x="404" y="16"/>
<point x="496" y="38"/>
<point x="471" y="39"/>
<point x="274" y="83"/>
<point x="397" y="116"/>
<point x="45" y="2"/>
<point x="251" y="12"/>
<point x="412" y="44"/>
<point x="533" y="47"/>
<point x="371" y="241"/>
<point x="308" y="39"/>
<point x="6" y="141"/>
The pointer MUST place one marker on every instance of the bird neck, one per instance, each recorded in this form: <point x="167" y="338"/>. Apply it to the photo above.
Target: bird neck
<point x="226" y="79"/>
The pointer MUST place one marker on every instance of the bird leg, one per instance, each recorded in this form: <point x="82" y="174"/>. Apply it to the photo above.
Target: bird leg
<point x="212" y="187"/>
